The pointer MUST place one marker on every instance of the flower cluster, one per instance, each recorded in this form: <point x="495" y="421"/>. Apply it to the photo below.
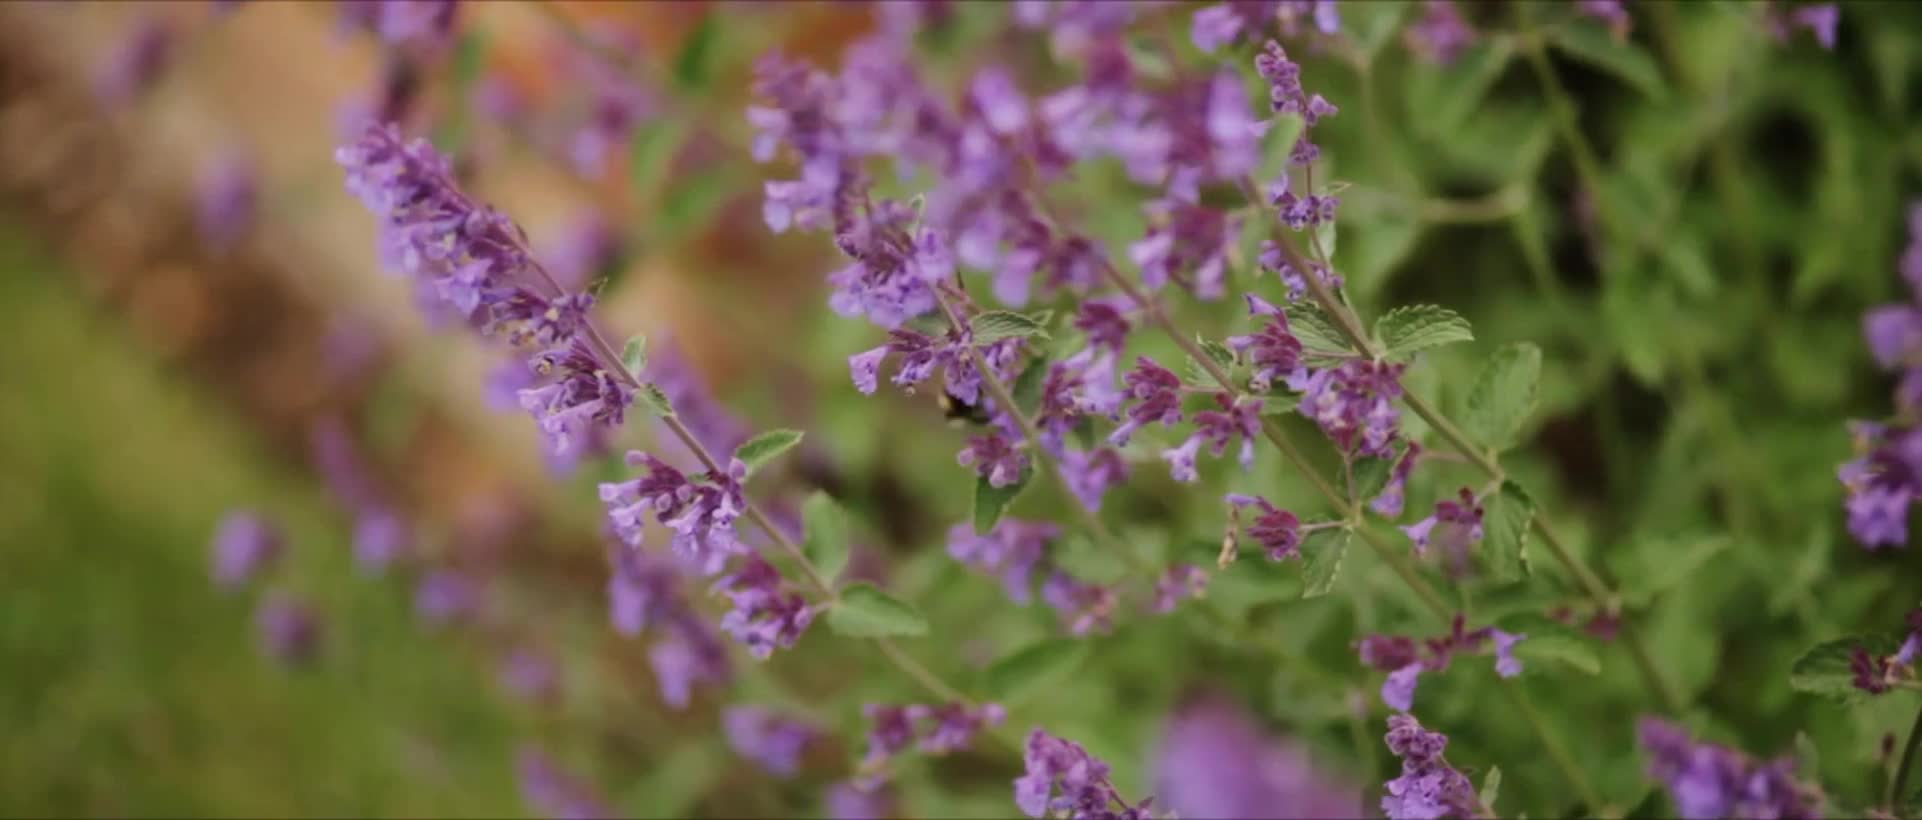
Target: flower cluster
<point x="1440" y="35"/>
<point x="1428" y="786"/>
<point x="1215" y="760"/>
<point x="766" y="613"/>
<point x="1179" y="581"/>
<point x="1226" y="23"/>
<point x="1286" y="96"/>
<point x="1710" y="780"/>
<point x="1017" y="551"/>
<point x="1354" y="403"/>
<point x="935" y="730"/>
<point x="290" y="630"/>
<point x="1063" y="780"/>
<point x="1278" y="532"/>
<point x="645" y="591"/>
<point x="1886" y="475"/>
<point x="1405" y="659"/>
<point x="245" y="545"/>
<point x="1876" y="674"/>
<point x="700" y="510"/>
<point x="475" y="260"/>
<point x="553" y="792"/>
<point x="767" y="738"/>
<point x="1455" y="526"/>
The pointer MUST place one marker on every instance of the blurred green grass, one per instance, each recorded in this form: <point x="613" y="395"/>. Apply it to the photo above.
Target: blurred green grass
<point x="130" y="686"/>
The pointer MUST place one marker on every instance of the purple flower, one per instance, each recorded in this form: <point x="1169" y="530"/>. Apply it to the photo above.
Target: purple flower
<point x="1273" y="351"/>
<point x="380" y="537"/>
<point x="1270" y="257"/>
<point x="1179" y="581"/>
<point x="1456" y="526"/>
<point x="290" y="630"/>
<point x="136" y="62"/>
<point x="1440" y="35"/>
<point x="688" y="655"/>
<point x="1894" y="334"/>
<point x="1710" y="780"/>
<point x="227" y="193"/>
<point x="1428" y="786"/>
<point x="1063" y="780"/>
<point x="1153" y="396"/>
<point x="445" y="596"/>
<point x="1286" y="96"/>
<point x="701" y="511"/>
<point x="1881" y="482"/>
<point x="582" y="249"/>
<point x="1186" y="240"/>
<point x="554" y="793"/>
<point x="1278" y="531"/>
<point x="245" y="545"/>
<point x="1405" y="659"/>
<point x="1354" y="403"/>
<point x="766" y="613"/>
<point x="1085" y="608"/>
<point x="1820" y="19"/>
<point x="955" y="725"/>
<point x="1876" y="674"/>
<point x="994" y="457"/>
<point x="1398" y="690"/>
<point x="1214" y="760"/>
<point x="1389" y="502"/>
<point x="890" y="731"/>
<point x="530" y="675"/>
<point x="1106" y="323"/>
<point x="1091" y="473"/>
<point x="1506" y="664"/>
<point x="642" y="589"/>
<point x="1012" y="550"/>
<point x="767" y="738"/>
<point x="1613" y="13"/>
<point x="847" y="800"/>
<point x="941" y="729"/>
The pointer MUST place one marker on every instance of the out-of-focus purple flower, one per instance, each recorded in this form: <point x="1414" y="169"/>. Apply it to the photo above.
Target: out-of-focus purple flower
<point x="1820" y="19"/>
<point x="245" y="545"/>
<point x="381" y="537"/>
<point x="1063" y="780"/>
<point x="1506" y="664"/>
<point x="290" y="630"/>
<point x="1012" y="551"/>
<point x="767" y="738"/>
<point x="1613" y="13"/>
<point x="642" y="589"/>
<point x="1710" y="780"/>
<point x="1270" y="257"/>
<point x="1091" y="473"/>
<point x="1106" y="323"/>
<point x="1894" y="334"/>
<point x="766" y="614"/>
<point x="1180" y="581"/>
<point x="446" y="596"/>
<point x="1278" y="531"/>
<point x="1456" y="525"/>
<point x="1231" y="420"/>
<point x="953" y="726"/>
<point x="616" y="102"/>
<point x="940" y="729"/>
<point x="530" y="675"/>
<point x="554" y="793"/>
<point x="1428" y="787"/>
<point x="1186" y="240"/>
<point x="1085" y="608"/>
<point x="890" y="731"/>
<point x="694" y="402"/>
<point x="995" y="457"/>
<point x="227" y="192"/>
<point x="1214" y="760"/>
<point x="847" y="800"/>
<point x="689" y="654"/>
<point x="135" y="62"/>
<point x="1440" y="35"/>
<point x="580" y="250"/>
<point x="1405" y="660"/>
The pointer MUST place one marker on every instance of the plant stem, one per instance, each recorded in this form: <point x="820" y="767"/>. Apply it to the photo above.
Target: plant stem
<point x="1901" y="782"/>
<point x="1556" y="752"/>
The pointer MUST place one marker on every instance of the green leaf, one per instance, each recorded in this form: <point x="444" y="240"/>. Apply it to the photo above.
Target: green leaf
<point x="1594" y="45"/>
<point x="697" y="50"/>
<point x="1505" y="549"/>
<point x="650" y="152"/>
<point x="1406" y="330"/>
<point x="1315" y="330"/>
<point x="825" y="534"/>
<point x="995" y="325"/>
<point x="759" y="450"/>
<point x="1655" y="569"/>
<point x="1222" y="356"/>
<point x="1017" y="676"/>
<point x="1371" y="475"/>
<point x="1491" y="787"/>
<point x="1504" y="395"/>
<point x="1824" y="669"/>
<point x="1321" y="562"/>
<point x="1441" y="98"/>
<point x="1027" y="386"/>
<point x="864" y="611"/>
<point x="990" y="501"/>
<point x="656" y="400"/>
<point x="634" y="354"/>
<point x="1808" y="760"/>
<point x="1559" y="647"/>
<point x="1280" y="405"/>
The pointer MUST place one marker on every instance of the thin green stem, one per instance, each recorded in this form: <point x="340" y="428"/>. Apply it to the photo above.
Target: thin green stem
<point x="1899" y="786"/>
<point x="1557" y="753"/>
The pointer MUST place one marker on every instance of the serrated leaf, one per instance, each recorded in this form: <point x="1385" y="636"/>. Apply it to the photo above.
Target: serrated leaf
<point x="1321" y="560"/>
<point x="1504" y="395"/>
<point x="864" y="611"/>
<point x="1505" y="547"/>
<point x="1594" y="45"/>
<point x="1222" y="356"/>
<point x="1557" y="647"/>
<point x="996" y="325"/>
<point x="1371" y="475"/>
<point x="759" y="450"/>
<point x="1314" y="329"/>
<point x="991" y="501"/>
<point x="825" y="534"/>
<point x="1824" y="669"/>
<point x="1491" y="787"/>
<point x="634" y="354"/>
<point x="656" y="400"/>
<point x="1406" y="330"/>
<point x="1017" y="676"/>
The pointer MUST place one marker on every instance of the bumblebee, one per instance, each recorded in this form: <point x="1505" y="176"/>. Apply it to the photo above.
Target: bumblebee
<point x="960" y="413"/>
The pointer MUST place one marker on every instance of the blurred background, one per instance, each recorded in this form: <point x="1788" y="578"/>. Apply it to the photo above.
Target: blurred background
<point x="199" y="325"/>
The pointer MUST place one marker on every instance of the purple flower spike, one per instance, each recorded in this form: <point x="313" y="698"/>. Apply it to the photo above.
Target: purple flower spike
<point x="1428" y="786"/>
<point x="290" y="631"/>
<point x="1394" y="494"/>
<point x="1090" y="474"/>
<point x="245" y="545"/>
<point x="1085" y="608"/>
<point x="1215" y="760"/>
<point x="847" y="800"/>
<point x="766" y="615"/>
<point x="1063" y="780"/>
<point x="1180" y="581"/>
<point x="996" y="458"/>
<point x="1278" y="531"/>
<point x="136" y="62"/>
<point x="770" y="740"/>
<point x="1456" y="526"/>
<point x="1153" y="396"/>
<point x="956" y="725"/>
<point x="1710" y="780"/>
<point x="380" y="538"/>
<point x="1011" y="551"/>
<point x="554" y="793"/>
<point x="446" y="596"/>
<point x="1441" y="35"/>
